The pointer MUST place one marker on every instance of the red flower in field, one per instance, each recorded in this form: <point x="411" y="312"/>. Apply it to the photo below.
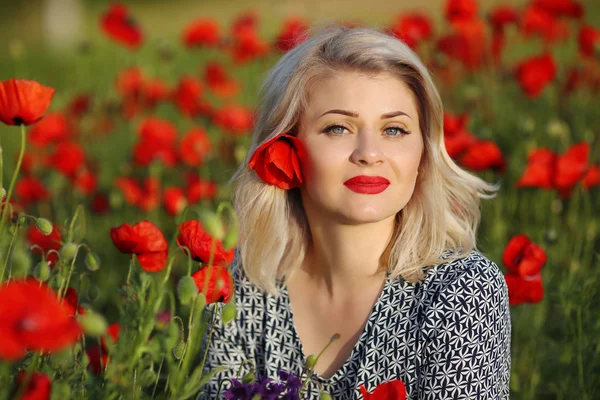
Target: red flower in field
<point x="146" y="197"/>
<point x="522" y="257"/>
<point x="394" y="389"/>
<point x="188" y="98"/>
<point x="85" y="181"/>
<point x="53" y="128"/>
<point x="145" y="240"/>
<point x="219" y="82"/>
<point x="33" y="161"/>
<point x="248" y="46"/>
<point x="154" y="129"/>
<point x="31" y="190"/>
<point x="412" y="28"/>
<point x="589" y="40"/>
<point x="538" y="21"/>
<point x="219" y="283"/>
<point x="23" y="101"/>
<point x="502" y="15"/>
<point x="194" y="147"/>
<point x="100" y="203"/>
<point x="132" y="192"/>
<point x="247" y="19"/>
<point x="278" y="161"/>
<point x="292" y="33"/>
<point x="67" y="158"/>
<point x="71" y="302"/>
<point x="524" y="290"/>
<point x="535" y="73"/>
<point x="461" y="10"/>
<point x="202" y="32"/>
<point x="119" y="25"/>
<point x="561" y="8"/>
<point x="468" y="44"/>
<point x="33" y="318"/>
<point x="130" y="82"/>
<point x="98" y="355"/>
<point x="79" y="105"/>
<point x="456" y="136"/>
<point x="540" y="170"/>
<point x="145" y="152"/>
<point x="174" y="200"/>
<point x="193" y="236"/>
<point x="155" y="91"/>
<point x="483" y="155"/>
<point x="38" y="388"/>
<point x="571" y="167"/>
<point x="234" y="119"/>
<point x="592" y="177"/>
<point x="45" y="243"/>
<point x="198" y="189"/>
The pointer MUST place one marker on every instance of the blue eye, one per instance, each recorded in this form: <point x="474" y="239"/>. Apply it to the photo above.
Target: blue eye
<point x="334" y="130"/>
<point x="399" y="131"/>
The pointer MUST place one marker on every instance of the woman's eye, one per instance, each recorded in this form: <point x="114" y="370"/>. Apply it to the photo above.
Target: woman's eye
<point x="397" y="131"/>
<point x="335" y="129"/>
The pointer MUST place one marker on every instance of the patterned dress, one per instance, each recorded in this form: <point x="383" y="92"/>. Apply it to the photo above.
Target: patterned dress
<point x="447" y="337"/>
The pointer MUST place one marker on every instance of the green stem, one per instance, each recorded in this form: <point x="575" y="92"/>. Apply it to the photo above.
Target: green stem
<point x="14" y="178"/>
<point x="212" y="327"/>
<point x="131" y="264"/>
<point x="5" y="262"/>
<point x="63" y="290"/>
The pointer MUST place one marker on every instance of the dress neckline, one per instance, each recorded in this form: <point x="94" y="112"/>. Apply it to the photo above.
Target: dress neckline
<point x="341" y="372"/>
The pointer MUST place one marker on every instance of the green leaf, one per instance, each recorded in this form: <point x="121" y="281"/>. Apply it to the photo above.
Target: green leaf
<point x="195" y="383"/>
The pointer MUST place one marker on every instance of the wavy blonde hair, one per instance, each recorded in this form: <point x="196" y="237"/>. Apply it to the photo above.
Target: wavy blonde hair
<point x="443" y="212"/>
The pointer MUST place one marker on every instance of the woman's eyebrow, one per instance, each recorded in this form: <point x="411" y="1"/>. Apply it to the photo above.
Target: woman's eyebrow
<point x="355" y="114"/>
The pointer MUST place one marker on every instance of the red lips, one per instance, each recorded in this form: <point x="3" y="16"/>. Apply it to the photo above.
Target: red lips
<point x="367" y="184"/>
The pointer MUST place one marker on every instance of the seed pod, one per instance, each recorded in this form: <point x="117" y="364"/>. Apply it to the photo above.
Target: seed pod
<point x="178" y="350"/>
<point x="44" y="226"/>
<point x="186" y="290"/>
<point x="325" y="396"/>
<point x="92" y="261"/>
<point x="230" y="239"/>
<point x="68" y="251"/>
<point x="228" y="313"/>
<point x="212" y="223"/>
<point x="42" y="271"/>
<point x="311" y="361"/>
<point x="93" y="324"/>
<point x="148" y="378"/>
<point x="248" y="378"/>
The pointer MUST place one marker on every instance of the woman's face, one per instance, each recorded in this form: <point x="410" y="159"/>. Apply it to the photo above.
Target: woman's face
<point x="359" y="125"/>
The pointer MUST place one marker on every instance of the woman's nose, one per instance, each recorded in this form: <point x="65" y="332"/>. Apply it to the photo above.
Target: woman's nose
<point x="368" y="149"/>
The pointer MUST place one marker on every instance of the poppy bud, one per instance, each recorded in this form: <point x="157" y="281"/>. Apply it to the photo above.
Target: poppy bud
<point x="558" y="129"/>
<point x="68" y="251"/>
<point x="186" y="290"/>
<point x="248" y="378"/>
<point x="44" y="226"/>
<point x="311" y="361"/>
<point x="178" y="350"/>
<point x="231" y="238"/>
<point x="92" y="261"/>
<point x="325" y="396"/>
<point x="228" y="313"/>
<point x="42" y="271"/>
<point x="22" y="220"/>
<point x="148" y="378"/>
<point x="162" y="320"/>
<point x="212" y="223"/>
<point x="93" y="324"/>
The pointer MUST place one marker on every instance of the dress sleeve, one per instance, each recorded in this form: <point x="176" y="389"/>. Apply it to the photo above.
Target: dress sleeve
<point x="468" y="336"/>
<point x="225" y="349"/>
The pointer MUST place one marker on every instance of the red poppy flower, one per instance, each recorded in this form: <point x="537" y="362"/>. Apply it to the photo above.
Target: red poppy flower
<point x="219" y="283"/>
<point x="461" y="10"/>
<point x="561" y="8"/>
<point x="540" y="170"/>
<point x="132" y="192"/>
<point x="80" y="105"/>
<point x="571" y="166"/>
<point x="146" y="151"/>
<point x="537" y="21"/>
<point x="234" y="119"/>
<point x="145" y="240"/>
<point x="456" y="137"/>
<point x="38" y="388"/>
<point x="30" y="190"/>
<point x="188" y="98"/>
<point x="243" y="21"/>
<point x="202" y="32"/>
<point x="193" y="236"/>
<point x="483" y="155"/>
<point x="535" y="73"/>
<point x="68" y="158"/>
<point x="467" y="44"/>
<point x="220" y="84"/>
<point x="592" y="177"/>
<point x="413" y="28"/>
<point x="522" y="257"/>
<point x="194" y="147"/>
<point x="589" y="40"/>
<point x="32" y="317"/>
<point x="155" y="91"/>
<point x="85" y="181"/>
<point x="174" y="200"/>
<point x="53" y="128"/>
<point x="130" y="82"/>
<point x="23" y="101"/>
<point x="292" y="33"/>
<point x="71" y="302"/>
<point x="100" y="203"/>
<point x="45" y="243"/>
<point x="98" y="355"/>
<point x="248" y="45"/>
<point x="199" y="189"/>
<point x="119" y="25"/>
<point x="277" y="161"/>
<point x="394" y="389"/>
<point x="154" y="129"/>
<point x="524" y="290"/>
<point x="502" y="15"/>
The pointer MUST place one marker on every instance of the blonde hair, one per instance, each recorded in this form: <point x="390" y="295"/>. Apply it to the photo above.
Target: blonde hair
<point x="443" y="212"/>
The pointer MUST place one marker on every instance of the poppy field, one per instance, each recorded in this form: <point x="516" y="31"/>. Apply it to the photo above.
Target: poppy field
<point x="117" y="231"/>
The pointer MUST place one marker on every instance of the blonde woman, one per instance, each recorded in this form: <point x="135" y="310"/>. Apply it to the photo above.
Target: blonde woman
<point x="355" y="221"/>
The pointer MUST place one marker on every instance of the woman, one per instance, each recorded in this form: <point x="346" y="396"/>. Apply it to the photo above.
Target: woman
<point x="355" y="221"/>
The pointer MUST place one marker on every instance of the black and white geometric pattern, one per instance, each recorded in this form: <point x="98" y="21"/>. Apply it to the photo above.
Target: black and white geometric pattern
<point x="447" y="337"/>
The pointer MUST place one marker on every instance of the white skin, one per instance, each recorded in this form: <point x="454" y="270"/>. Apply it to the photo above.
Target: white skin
<point x="351" y="230"/>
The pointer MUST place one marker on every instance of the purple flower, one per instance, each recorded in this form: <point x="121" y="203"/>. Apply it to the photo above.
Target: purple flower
<point x="266" y="388"/>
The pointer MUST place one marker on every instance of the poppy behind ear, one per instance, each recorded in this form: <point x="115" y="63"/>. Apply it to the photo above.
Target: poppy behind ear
<point x="277" y="161"/>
